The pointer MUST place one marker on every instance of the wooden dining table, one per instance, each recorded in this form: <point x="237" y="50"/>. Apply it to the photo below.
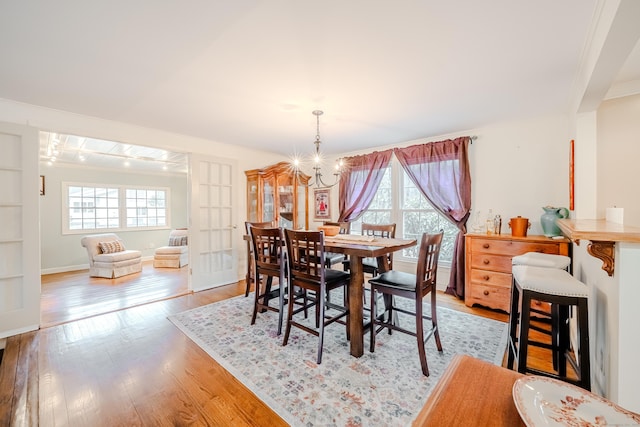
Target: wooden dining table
<point x="357" y="248"/>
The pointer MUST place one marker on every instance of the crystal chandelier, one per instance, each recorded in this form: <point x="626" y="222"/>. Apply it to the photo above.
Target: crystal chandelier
<point x="318" y="181"/>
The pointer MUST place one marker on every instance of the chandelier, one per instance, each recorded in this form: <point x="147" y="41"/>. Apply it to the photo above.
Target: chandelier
<point x="318" y="181"/>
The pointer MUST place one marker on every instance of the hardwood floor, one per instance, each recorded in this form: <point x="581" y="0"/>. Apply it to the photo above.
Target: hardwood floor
<point x="132" y="367"/>
<point x="74" y="295"/>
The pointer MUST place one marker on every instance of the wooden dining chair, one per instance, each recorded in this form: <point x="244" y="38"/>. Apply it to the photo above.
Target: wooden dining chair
<point x="392" y="284"/>
<point x="332" y="258"/>
<point x="249" y="276"/>
<point x="370" y="265"/>
<point x="269" y="256"/>
<point x="307" y="271"/>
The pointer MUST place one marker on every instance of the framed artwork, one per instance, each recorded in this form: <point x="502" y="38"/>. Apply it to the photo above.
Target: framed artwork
<point x="321" y="204"/>
<point x="42" y="185"/>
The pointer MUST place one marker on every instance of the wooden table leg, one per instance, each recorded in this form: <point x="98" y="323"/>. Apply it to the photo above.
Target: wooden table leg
<point x="355" y="306"/>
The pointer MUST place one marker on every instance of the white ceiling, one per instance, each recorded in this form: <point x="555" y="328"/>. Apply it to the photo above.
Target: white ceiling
<point x="251" y="72"/>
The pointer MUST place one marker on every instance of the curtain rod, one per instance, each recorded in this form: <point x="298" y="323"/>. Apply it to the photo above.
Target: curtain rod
<point x="473" y="138"/>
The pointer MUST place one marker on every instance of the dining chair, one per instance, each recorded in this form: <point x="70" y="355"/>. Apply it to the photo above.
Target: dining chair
<point x="307" y="271"/>
<point x="370" y="265"/>
<point x="393" y="284"/>
<point x="249" y="276"/>
<point x="269" y="261"/>
<point x="332" y="258"/>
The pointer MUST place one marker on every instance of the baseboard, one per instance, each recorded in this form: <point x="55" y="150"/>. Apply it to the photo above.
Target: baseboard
<point x="68" y="268"/>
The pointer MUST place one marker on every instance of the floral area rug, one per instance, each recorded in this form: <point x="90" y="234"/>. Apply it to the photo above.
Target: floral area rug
<point x="384" y="388"/>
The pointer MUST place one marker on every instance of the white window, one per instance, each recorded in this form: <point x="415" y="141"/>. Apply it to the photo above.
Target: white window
<point x="410" y="211"/>
<point x="95" y="208"/>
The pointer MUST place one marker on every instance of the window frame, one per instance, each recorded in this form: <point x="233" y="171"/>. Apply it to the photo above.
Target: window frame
<point x="397" y="211"/>
<point x="122" y="208"/>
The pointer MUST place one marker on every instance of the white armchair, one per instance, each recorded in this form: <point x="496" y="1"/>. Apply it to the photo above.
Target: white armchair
<point x="109" y="258"/>
<point x="176" y="254"/>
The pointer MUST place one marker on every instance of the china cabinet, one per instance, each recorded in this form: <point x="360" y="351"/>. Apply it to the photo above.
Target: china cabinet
<point x="278" y="193"/>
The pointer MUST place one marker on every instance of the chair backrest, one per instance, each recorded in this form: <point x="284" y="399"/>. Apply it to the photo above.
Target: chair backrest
<point x="345" y="227"/>
<point x="379" y="230"/>
<point x="427" y="267"/>
<point x="91" y="243"/>
<point x="305" y="254"/>
<point x="264" y="224"/>
<point x="269" y="250"/>
<point x="178" y="237"/>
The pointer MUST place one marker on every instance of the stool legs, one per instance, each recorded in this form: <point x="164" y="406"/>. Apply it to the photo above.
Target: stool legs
<point x="520" y="326"/>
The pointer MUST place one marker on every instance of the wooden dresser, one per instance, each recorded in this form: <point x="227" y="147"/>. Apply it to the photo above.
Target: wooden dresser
<point x="488" y="265"/>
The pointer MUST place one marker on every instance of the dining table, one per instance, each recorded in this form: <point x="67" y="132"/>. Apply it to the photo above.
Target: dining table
<point x="359" y="247"/>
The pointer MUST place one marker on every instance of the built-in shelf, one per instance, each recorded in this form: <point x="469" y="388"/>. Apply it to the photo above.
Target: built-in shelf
<point x="603" y="236"/>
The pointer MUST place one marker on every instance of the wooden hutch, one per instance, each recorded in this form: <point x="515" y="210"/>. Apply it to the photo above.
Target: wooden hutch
<point x="278" y="193"/>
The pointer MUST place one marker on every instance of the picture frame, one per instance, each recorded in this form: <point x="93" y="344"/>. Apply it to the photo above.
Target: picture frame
<point x="42" y="185"/>
<point x="322" y="204"/>
<point x="572" y="175"/>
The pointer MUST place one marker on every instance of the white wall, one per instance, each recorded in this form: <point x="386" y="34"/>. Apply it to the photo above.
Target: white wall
<point x="606" y="153"/>
<point x="63" y="252"/>
<point x="618" y="153"/>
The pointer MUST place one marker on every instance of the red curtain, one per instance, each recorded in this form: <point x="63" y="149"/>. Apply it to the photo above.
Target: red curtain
<point x="440" y="170"/>
<point x="359" y="183"/>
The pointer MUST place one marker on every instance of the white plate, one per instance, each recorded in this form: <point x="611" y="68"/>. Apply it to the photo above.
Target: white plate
<point x="548" y="402"/>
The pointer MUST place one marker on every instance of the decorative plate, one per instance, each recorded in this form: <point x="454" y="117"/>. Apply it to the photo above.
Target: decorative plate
<point x="548" y="402"/>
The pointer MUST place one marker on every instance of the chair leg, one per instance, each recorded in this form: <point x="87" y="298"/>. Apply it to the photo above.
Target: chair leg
<point x="583" y="327"/>
<point x="256" y="301"/>
<point x="390" y="313"/>
<point x="374" y="320"/>
<point x="281" y="292"/>
<point x="290" y="314"/>
<point x="420" y="337"/>
<point x="513" y="325"/>
<point x="525" y="319"/>
<point x="562" y="341"/>
<point x="321" y="297"/>
<point x="434" y="319"/>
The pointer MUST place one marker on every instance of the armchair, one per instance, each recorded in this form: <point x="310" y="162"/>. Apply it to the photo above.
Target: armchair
<point x="109" y="258"/>
<point x="176" y="253"/>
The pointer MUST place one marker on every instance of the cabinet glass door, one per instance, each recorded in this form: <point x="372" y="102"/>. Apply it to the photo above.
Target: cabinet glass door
<point x="252" y="199"/>
<point x="285" y="201"/>
<point x="268" y="191"/>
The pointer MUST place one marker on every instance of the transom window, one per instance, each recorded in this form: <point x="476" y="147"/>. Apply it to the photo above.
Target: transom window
<point x="92" y="207"/>
<point x="411" y="212"/>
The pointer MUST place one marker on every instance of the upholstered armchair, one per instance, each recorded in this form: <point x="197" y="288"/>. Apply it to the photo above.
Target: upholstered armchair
<point x="109" y="258"/>
<point x="176" y="254"/>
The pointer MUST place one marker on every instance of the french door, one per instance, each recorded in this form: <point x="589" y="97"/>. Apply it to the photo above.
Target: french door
<point x="213" y="257"/>
<point x="19" y="230"/>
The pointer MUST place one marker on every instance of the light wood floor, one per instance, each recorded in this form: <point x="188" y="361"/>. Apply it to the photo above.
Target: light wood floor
<point x="133" y="367"/>
<point x="74" y="295"/>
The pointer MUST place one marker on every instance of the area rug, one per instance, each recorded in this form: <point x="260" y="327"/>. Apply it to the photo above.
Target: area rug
<point x="384" y="388"/>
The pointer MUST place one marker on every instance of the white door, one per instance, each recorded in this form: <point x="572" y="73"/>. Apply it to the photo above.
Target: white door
<point x="213" y="257"/>
<point x="19" y="230"/>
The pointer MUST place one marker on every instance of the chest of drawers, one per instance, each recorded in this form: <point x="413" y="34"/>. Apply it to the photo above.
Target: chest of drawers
<point x="488" y="265"/>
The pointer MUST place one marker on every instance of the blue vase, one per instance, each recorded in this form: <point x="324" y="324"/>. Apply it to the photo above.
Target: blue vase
<point x="548" y="220"/>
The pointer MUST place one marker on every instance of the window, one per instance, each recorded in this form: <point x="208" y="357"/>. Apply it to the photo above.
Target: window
<point x="92" y="207"/>
<point x="411" y="212"/>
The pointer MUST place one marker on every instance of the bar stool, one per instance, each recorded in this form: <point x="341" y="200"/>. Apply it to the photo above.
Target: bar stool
<point x="560" y="288"/>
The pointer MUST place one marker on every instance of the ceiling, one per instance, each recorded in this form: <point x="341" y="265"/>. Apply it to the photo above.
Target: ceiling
<point x="251" y="72"/>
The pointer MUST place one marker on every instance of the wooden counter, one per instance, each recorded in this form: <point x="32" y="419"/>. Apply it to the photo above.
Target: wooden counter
<point x="603" y="236"/>
<point x="472" y="393"/>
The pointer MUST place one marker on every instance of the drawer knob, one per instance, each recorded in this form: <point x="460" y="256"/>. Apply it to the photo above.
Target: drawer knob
<point x="486" y="246"/>
<point x="485" y="261"/>
<point x="485" y="278"/>
<point x="486" y="293"/>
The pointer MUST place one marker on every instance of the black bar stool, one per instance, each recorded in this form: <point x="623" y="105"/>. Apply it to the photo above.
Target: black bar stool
<point x="559" y="288"/>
